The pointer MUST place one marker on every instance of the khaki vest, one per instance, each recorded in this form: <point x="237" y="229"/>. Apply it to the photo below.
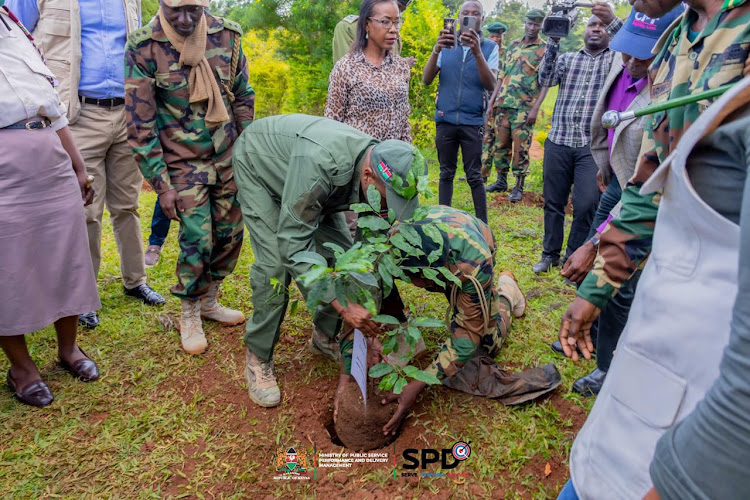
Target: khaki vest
<point x="58" y="34"/>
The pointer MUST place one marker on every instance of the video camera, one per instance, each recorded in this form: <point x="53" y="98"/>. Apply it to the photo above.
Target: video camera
<point x="562" y="17"/>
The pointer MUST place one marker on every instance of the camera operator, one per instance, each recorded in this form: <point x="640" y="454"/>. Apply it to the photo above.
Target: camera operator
<point x="567" y="157"/>
<point x="467" y="76"/>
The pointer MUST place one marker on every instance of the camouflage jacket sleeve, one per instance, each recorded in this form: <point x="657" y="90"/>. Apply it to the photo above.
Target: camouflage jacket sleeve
<point x="244" y="96"/>
<point x="553" y="67"/>
<point x="140" y="113"/>
<point x="626" y="241"/>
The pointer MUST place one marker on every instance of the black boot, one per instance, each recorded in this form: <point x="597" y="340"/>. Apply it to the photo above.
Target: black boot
<point x="517" y="194"/>
<point x="500" y="185"/>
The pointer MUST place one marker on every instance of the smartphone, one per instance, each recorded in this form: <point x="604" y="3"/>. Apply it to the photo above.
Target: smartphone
<point x="470" y="23"/>
<point x="450" y="24"/>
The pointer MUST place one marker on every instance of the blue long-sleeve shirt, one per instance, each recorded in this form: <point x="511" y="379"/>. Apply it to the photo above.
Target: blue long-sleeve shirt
<point x="103" y="37"/>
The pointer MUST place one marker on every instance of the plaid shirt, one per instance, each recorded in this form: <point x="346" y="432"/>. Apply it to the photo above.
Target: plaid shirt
<point x="581" y="77"/>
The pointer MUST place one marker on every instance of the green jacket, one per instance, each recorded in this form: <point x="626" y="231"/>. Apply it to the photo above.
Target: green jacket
<point x="309" y="166"/>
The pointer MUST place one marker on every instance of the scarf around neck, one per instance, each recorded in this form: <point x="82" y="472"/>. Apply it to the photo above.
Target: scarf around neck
<point x="201" y="82"/>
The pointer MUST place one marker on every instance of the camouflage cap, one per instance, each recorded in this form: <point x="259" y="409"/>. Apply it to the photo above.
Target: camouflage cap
<point x="535" y="14"/>
<point x="497" y="28"/>
<point x="400" y="165"/>
<point x="185" y="3"/>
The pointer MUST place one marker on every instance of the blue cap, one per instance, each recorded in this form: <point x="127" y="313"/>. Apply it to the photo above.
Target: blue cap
<point x="640" y="33"/>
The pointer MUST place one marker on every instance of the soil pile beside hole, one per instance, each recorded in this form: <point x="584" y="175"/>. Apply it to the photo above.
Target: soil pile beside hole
<point x="360" y="429"/>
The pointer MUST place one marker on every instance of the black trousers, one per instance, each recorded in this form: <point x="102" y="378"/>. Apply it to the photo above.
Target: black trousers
<point x="448" y="138"/>
<point x="607" y="329"/>
<point x="566" y="167"/>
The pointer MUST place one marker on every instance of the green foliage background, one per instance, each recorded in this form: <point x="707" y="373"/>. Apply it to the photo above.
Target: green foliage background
<point x="288" y="45"/>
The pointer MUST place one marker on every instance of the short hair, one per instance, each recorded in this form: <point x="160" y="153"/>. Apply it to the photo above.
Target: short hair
<point x="481" y="7"/>
<point x="365" y="11"/>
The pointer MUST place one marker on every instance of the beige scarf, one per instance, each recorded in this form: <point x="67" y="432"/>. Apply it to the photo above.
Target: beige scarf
<point x="202" y="83"/>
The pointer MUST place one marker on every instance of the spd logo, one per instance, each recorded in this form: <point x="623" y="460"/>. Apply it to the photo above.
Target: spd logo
<point x="449" y="458"/>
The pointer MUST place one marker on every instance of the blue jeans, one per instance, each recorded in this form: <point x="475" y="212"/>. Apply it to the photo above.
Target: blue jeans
<point x="159" y="226"/>
<point x="568" y="492"/>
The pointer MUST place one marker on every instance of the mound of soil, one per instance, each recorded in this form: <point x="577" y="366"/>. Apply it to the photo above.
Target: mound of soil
<point x="360" y="428"/>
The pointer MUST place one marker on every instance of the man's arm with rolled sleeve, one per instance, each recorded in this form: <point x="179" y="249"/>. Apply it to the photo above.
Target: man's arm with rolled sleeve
<point x="140" y="111"/>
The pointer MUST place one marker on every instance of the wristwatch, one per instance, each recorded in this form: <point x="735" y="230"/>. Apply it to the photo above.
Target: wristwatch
<point x="595" y="240"/>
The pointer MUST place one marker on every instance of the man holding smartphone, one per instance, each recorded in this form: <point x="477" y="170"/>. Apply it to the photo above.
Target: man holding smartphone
<point x="467" y="76"/>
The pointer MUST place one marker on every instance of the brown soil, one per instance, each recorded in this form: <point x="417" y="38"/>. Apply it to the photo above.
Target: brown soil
<point x="360" y="428"/>
<point x="536" y="152"/>
<point x="497" y="200"/>
<point x="145" y="186"/>
<point x="305" y="411"/>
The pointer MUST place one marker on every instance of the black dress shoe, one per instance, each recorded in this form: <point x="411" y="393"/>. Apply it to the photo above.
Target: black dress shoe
<point x="557" y="347"/>
<point x="89" y="320"/>
<point x="591" y="384"/>
<point x="35" y="394"/>
<point x="545" y="265"/>
<point x="84" y="369"/>
<point x="145" y="294"/>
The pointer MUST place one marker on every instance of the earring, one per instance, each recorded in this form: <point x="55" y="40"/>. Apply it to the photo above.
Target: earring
<point x="367" y="35"/>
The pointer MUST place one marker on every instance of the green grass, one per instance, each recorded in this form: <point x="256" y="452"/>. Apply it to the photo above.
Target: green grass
<point x="161" y="423"/>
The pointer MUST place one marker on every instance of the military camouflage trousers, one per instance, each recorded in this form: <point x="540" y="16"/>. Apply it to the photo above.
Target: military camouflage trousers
<point x="507" y="138"/>
<point x="468" y="332"/>
<point x="210" y="236"/>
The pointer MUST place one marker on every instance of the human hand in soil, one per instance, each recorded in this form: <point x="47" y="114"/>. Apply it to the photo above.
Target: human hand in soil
<point x="580" y="262"/>
<point x="343" y="381"/>
<point x="358" y="317"/>
<point x="575" y="328"/>
<point x="405" y="401"/>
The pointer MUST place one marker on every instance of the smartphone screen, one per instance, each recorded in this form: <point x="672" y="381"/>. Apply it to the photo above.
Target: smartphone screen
<point x="450" y="24"/>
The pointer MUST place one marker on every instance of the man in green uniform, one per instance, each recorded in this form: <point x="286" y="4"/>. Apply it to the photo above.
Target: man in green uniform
<point x="468" y="252"/>
<point x="187" y="99"/>
<point x="708" y="48"/>
<point x="296" y="175"/>
<point x="346" y="31"/>
<point x="513" y="109"/>
<point x="496" y="32"/>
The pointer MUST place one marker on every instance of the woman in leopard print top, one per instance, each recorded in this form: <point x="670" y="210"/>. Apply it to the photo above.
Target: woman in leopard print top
<point x="369" y="87"/>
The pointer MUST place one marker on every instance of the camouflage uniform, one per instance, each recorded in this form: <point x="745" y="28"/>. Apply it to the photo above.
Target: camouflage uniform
<point x="717" y="57"/>
<point x="519" y="89"/>
<point x="176" y="150"/>
<point x="468" y="250"/>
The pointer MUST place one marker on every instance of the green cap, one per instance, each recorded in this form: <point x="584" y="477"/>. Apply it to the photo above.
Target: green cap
<point x="400" y="165"/>
<point x="534" y="14"/>
<point x="497" y="28"/>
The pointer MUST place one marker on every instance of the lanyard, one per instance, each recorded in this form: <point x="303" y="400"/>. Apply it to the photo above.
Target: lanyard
<point x="25" y="31"/>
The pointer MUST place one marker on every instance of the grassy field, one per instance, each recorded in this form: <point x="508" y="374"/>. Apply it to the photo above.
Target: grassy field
<point x="161" y="423"/>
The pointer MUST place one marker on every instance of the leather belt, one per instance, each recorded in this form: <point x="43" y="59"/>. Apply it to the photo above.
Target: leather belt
<point x="104" y="103"/>
<point x="33" y="124"/>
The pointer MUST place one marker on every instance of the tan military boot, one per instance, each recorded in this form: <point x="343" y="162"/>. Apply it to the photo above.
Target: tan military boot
<point x="191" y="331"/>
<point x="211" y="309"/>
<point x="261" y="381"/>
<point x="507" y="286"/>
<point x="322" y="345"/>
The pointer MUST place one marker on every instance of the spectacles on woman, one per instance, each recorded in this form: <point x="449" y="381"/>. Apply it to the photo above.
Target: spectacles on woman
<point x="387" y="23"/>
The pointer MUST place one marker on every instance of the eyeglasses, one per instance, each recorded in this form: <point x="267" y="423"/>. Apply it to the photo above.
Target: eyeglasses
<point x="387" y="23"/>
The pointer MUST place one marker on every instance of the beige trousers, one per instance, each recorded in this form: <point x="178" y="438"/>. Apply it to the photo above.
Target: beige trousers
<point x="101" y="136"/>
